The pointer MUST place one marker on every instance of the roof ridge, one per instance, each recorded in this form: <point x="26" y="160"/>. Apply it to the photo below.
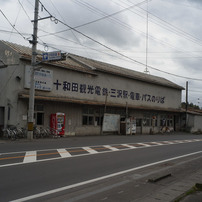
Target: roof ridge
<point x="88" y="65"/>
<point x="140" y="75"/>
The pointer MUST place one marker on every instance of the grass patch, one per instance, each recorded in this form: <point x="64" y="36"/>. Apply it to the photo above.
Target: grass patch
<point x="194" y="189"/>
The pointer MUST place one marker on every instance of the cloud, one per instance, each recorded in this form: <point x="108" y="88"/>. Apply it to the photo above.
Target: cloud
<point x="114" y="31"/>
<point x="126" y="32"/>
<point x="195" y="1"/>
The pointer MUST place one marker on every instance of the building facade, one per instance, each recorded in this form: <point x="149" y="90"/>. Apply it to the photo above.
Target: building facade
<point x="84" y="89"/>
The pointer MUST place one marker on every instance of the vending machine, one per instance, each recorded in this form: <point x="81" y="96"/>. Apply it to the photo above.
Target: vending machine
<point x="57" y="123"/>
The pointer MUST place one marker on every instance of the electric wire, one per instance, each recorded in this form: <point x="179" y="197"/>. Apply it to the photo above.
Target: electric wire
<point x="25" y="11"/>
<point x="189" y="78"/>
<point x="12" y="25"/>
<point x="102" y="18"/>
<point x="126" y="25"/>
<point x="166" y="25"/>
<point x="186" y="5"/>
<point x="125" y="56"/>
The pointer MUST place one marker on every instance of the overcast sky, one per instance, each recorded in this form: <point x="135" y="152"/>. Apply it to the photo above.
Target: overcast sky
<point x="168" y="36"/>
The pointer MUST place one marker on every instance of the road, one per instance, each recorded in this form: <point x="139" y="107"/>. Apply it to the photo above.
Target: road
<point x="88" y="168"/>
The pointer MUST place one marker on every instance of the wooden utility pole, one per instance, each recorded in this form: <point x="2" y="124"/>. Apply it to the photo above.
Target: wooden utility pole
<point x="32" y="82"/>
<point x="186" y="104"/>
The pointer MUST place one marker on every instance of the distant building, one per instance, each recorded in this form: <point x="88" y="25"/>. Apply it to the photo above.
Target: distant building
<point x="191" y="120"/>
<point x="84" y="89"/>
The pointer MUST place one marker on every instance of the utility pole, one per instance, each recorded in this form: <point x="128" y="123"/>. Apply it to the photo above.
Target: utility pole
<point x="186" y="103"/>
<point x="147" y="35"/>
<point x="32" y="82"/>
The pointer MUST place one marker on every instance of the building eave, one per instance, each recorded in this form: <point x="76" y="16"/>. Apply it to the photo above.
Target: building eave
<point x="64" y="99"/>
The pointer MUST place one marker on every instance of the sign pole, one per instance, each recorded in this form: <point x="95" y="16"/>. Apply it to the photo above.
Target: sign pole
<point x="32" y="84"/>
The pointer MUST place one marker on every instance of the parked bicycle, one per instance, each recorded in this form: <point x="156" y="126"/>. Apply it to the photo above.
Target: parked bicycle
<point x="52" y="132"/>
<point x="9" y="134"/>
<point x="14" y="133"/>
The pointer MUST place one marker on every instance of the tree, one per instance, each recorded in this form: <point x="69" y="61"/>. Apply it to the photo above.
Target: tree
<point x="190" y="105"/>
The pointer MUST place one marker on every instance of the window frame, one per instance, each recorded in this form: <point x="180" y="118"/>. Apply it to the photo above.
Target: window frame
<point x="39" y="110"/>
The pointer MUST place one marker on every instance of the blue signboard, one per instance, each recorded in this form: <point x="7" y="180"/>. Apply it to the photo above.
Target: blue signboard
<point x="56" y="55"/>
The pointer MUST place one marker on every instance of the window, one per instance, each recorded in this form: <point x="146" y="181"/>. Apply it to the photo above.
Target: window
<point x="97" y="120"/>
<point x="154" y="120"/>
<point x="170" y="120"/>
<point x="40" y="118"/>
<point x="39" y="114"/>
<point x="88" y="116"/>
<point x="163" y="120"/>
<point x="166" y="120"/>
<point x="138" y="122"/>
<point x="147" y="120"/>
<point x="92" y="116"/>
<point x="85" y="120"/>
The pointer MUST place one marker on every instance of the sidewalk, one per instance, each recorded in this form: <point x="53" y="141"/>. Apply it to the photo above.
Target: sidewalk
<point x="177" y="190"/>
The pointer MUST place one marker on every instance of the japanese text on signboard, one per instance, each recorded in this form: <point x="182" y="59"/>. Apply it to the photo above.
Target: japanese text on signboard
<point x="103" y="91"/>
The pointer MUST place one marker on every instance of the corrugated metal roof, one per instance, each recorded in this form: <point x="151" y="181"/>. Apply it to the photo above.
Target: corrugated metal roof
<point x="101" y="66"/>
<point x="22" y="50"/>
<point x="79" y="63"/>
<point x="26" y="53"/>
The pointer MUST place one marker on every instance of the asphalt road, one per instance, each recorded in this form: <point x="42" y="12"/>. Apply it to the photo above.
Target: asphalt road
<point x="82" y="168"/>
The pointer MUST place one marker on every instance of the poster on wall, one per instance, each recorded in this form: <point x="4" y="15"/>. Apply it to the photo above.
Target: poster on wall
<point x="133" y="125"/>
<point x="111" y="123"/>
<point x="130" y="125"/>
<point x="43" y="79"/>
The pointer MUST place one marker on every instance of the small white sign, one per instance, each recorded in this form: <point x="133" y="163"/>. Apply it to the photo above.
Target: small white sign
<point x="43" y="79"/>
<point x="24" y="117"/>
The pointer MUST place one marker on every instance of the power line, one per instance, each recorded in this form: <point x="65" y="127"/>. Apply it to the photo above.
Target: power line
<point x="168" y="26"/>
<point x="15" y="23"/>
<point x="90" y="38"/>
<point x="12" y="25"/>
<point x="123" y="24"/>
<point x="177" y="30"/>
<point x="181" y="4"/>
<point x="8" y="31"/>
<point x="24" y="10"/>
<point x="77" y="39"/>
<point x="106" y="16"/>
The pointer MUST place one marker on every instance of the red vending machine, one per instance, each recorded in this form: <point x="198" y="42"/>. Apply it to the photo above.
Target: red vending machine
<point x="57" y="123"/>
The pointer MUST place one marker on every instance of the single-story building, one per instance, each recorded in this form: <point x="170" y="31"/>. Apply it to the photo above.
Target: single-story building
<point x="191" y="120"/>
<point x="83" y="89"/>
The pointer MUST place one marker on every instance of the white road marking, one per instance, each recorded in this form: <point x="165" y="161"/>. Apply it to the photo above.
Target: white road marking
<point x="169" y="142"/>
<point x="111" y="148"/>
<point x="188" y="140"/>
<point x="130" y="146"/>
<point x="64" y="153"/>
<point x="157" y="143"/>
<point x="197" y="140"/>
<point x="90" y="150"/>
<point x="179" y="141"/>
<point x="30" y="156"/>
<point x="143" y="144"/>
<point x="104" y="199"/>
<point x="53" y="191"/>
<point x="19" y="152"/>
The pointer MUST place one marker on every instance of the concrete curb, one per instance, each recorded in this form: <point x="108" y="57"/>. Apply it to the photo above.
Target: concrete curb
<point x="191" y="193"/>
